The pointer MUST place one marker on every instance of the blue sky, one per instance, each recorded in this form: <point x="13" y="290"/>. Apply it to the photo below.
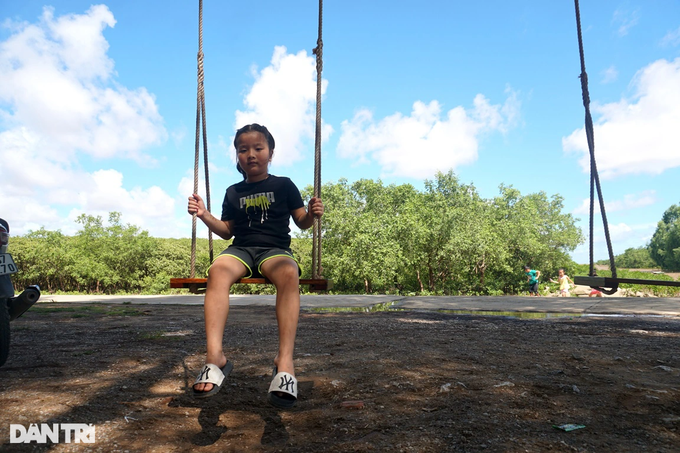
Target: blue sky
<point x="98" y="102"/>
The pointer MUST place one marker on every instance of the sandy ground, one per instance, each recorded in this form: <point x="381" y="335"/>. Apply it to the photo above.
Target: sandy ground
<point x="397" y="381"/>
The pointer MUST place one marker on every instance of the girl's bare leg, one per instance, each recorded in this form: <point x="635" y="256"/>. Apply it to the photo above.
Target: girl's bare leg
<point x="222" y="274"/>
<point x="283" y="272"/>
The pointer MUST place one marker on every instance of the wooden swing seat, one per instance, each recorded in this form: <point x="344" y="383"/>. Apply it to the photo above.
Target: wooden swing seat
<point x="195" y="285"/>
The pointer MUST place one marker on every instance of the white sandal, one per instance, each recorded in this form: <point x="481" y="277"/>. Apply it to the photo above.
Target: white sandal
<point x="212" y="374"/>
<point x="283" y="390"/>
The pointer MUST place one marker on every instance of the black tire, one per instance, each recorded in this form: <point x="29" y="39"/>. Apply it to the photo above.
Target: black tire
<point x="4" y="331"/>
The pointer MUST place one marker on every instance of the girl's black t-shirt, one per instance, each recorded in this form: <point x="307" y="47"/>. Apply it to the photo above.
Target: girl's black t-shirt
<point x="261" y="211"/>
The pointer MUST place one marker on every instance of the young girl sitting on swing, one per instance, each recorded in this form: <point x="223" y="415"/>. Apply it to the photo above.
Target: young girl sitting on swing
<point x="256" y="213"/>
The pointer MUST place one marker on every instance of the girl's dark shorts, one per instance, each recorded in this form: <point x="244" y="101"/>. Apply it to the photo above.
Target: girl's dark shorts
<point x="533" y="288"/>
<point x="253" y="257"/>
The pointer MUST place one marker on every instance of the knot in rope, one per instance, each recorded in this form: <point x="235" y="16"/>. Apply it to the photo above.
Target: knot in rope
<point x="318" y="51"/>
<point x="584" y="88"/>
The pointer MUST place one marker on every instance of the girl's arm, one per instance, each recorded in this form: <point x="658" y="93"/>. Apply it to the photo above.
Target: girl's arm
<point x="219" y="227"/>
<point x="305" y="218"/>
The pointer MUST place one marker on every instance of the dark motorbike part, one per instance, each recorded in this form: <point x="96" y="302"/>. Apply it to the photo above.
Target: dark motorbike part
<point x="17" y="306"/>
<point x="6" y="287"/>
<point x="4" y="330"/>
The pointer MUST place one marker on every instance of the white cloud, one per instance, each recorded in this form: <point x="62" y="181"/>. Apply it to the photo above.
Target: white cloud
<point x="610" y="75"/>
<point x="106" y="193"/>
<point x="637" y="135"/>
<point x="178" y="135"/>
<point x="630" y="201"/>
<point x="59" y="101"/>
<point x="622" y="235"/>
<point x="672" y="38"/>
<point x="283" y="98"/>
<point x="423" y="143"/>
<point x="625" y="20"/>
<point x="102" y="192"/>
<point x="56" y="78"/>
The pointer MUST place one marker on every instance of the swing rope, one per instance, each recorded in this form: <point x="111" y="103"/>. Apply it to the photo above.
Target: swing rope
<point x="594" y="177"/>
<point x="200" y="126"/>
<point x="316" y="228"/>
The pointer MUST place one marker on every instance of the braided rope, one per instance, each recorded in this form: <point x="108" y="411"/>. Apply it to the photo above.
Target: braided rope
<point x="205" y="166"/>
<point x="316" y="231"/>
<point x="200" y="119"/>
<point x="197" y="144"/>
<point x="594" y="176"/>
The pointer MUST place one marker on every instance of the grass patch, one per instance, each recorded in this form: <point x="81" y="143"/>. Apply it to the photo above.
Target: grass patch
<point x="86" y="310"/>
<point x="37" y="309"/>
<point x="124" y="311"/>
<point x="156" y="335"/>
<point x="512" y="314"/>
<point x="384" y="306"/>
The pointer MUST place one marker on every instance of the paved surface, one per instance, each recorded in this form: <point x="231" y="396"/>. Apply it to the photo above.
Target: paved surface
<point x="509" y="304"/>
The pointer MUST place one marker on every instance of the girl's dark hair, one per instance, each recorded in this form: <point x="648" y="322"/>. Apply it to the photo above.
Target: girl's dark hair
<point x="254" y="128"/>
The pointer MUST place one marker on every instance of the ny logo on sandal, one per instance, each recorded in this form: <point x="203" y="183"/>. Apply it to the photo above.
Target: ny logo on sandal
<point x="204" y="373"/>
<point x="287" y="382"/>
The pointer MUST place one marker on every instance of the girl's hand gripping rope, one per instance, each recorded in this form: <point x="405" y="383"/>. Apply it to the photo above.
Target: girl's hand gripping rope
<point x="315" y="207"/>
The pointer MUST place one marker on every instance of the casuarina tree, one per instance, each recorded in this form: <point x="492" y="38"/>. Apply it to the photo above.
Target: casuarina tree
<point x="664" y="247"/>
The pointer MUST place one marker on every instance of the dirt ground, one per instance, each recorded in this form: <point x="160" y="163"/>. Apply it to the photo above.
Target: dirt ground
<point x="390" y="381"/>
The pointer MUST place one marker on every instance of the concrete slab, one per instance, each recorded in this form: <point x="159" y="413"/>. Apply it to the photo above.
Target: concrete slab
<point x="345" y="301"/>
<point x="666" y="306"/>
<point x="190" y="299"/>
<point x="306" y="301"/>
<point x="498" y="303"/>
<point x="582" y="305"/>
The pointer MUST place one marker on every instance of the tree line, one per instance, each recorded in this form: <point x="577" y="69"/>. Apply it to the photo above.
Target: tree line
<point x="662" y="251"/>
<point x="376" y="238"/>
<point x="446" y="239"/>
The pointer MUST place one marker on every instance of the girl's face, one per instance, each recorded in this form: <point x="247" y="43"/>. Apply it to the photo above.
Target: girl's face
<point x="254" y="155"/>
<point x="561" y="273"/>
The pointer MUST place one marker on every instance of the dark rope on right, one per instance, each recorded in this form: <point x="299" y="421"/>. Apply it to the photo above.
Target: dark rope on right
<point x="316" y="231"/>
<point x="594" y="177"/>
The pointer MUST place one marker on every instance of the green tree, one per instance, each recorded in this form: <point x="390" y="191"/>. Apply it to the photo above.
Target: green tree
<point x="445" y="239"/>
<point x="664" y="248"/>
<point x="448" y="243"/>
<point x="360" y="231"/>
<point x="634" y="258"/>
<point x="44" y="258"/>
<point x="536" y="233"/>
<point x="111" y="258"/>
